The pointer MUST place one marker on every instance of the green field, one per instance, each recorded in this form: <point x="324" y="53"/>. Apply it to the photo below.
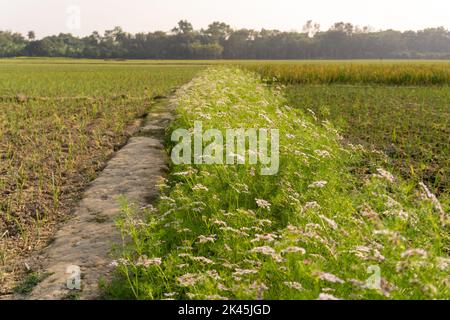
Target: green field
<point x="411" y="126"/>
<point x="59" y="123"/>
<point x="343" y="122"/>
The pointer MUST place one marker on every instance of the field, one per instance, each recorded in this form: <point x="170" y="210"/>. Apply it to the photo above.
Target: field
<point x="316" y="230"/>
<point x="355" y="72"/>
<point x="59" y="123"/>
<point x="399" y="108"/>
<point x="409" y="125"/>
<point x="357" y="139"/>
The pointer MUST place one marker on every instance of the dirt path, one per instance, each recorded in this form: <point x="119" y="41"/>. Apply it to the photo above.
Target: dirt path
<point x="85" y="241"/>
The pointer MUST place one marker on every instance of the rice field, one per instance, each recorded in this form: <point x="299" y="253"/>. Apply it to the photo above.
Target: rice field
<point x="362" y="186"/>
<point x="355" y="72"/>
<point x="398" y="109"/>
<point x="409" y="127"/>
<point x="59" y="123"/>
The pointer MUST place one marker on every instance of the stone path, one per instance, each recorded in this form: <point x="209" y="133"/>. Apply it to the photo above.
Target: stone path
<point x="86" y="239"/>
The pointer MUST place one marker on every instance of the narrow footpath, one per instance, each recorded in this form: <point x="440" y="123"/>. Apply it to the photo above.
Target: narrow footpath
<point x="86" y="239"/>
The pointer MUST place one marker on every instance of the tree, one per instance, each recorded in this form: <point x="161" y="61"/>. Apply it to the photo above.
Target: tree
<point x="11" y="44"/>
<point x="311" y="28"/>
<point x="218" y="31"/>
<point x="184" y="27"/>
<point x="342" y="41"/>
<point x="31" y="35"/>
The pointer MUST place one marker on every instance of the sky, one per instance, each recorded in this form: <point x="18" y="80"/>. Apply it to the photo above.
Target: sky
<point x="81" y="17"/>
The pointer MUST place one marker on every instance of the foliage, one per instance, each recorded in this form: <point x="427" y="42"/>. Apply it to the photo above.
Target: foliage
<point x="311" y="232"/>
<point x="342" y="41"/>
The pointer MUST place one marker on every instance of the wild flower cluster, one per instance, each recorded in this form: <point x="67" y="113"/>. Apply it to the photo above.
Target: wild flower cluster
<point x="313" y="231"/>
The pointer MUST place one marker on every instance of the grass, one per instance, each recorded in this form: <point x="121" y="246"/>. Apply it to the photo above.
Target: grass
<point x="409" y="125"/>
<point x="59" y="123"/>
<point x="32" y="279"/>
<point x="84" y="80"/>
<point x="316" y="230"/>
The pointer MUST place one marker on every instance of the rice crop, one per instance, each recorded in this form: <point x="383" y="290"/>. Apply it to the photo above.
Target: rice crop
<point x="58" y="126"/>
<point x="342" y="72"/>
<point x="410" y="127"/>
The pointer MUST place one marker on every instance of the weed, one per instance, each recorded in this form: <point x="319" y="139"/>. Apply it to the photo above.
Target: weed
<point x="319" y="229"/>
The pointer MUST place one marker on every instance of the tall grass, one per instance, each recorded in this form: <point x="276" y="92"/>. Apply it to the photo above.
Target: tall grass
<point x="316" y="230"/>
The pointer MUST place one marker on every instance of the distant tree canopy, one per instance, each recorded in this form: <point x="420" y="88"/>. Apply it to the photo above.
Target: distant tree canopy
<point x="220" y="41"/>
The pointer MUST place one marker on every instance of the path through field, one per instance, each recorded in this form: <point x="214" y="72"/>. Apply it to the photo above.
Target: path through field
<point x="85" y="241"/>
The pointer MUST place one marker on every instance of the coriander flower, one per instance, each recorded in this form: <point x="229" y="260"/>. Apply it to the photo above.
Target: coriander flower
<point x="318" y="184"/>
<point x="261" y="203"/>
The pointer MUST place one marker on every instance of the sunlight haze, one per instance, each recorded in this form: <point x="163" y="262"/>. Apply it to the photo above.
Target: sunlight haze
<point x="48" y="17"/>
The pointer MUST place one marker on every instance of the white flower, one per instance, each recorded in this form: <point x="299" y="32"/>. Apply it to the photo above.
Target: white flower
<point x="121" y="261"/>
<point x="189" y="279"/>
<point x="259" y="288"/>
<point x="311" y="205"/>
<point x="385" y="175"/>
<point x="326" y="296"/>
<point x="170" y="294"/>
<point x="412" y="252"/>
<point x="202" y="260"/>
<point x="265" y="237"/>
<point x="206" y="239"/>
<point x="318" y="184"/>
<point x="294" y="250"/>
<point x="330" y="222"/>
<point x="268" y="251"/>
<point x="242" y="272"/>
<point x="322" y="153"/>
<point x="200" y="187"/>
<point x="213" y="274"/>
<point x="220" y="222"/>
<point x="329" y="277"/>
<point x="367" y="253"/>
<point x="293" y="285"/>
<point x="265" y="222"/>
<point x="146" y="262"/>
<point x="113" y="264"/>
<point x="236" y="231"/>
<point x="261" y="203"/>
<point x="183" y="173"/>
<point x="221" y="287"/>
<point x="264" y="250"/>
<point x="443" y="263"/>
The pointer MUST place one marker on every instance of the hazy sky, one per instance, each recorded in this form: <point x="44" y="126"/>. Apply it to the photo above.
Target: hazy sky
<point x="53" y="16"/>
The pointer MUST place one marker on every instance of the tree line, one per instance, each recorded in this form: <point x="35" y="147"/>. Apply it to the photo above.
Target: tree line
<point x="220" y="41"/>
